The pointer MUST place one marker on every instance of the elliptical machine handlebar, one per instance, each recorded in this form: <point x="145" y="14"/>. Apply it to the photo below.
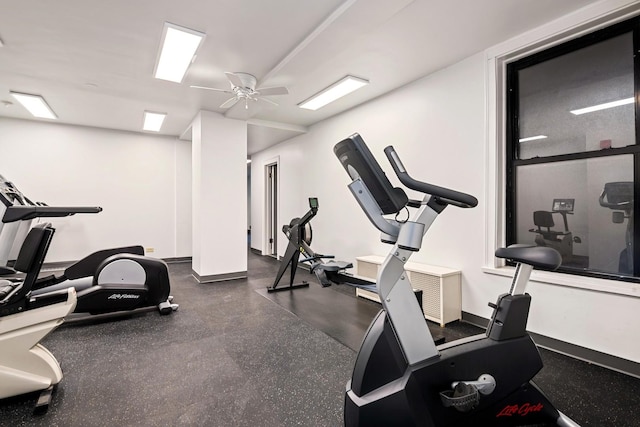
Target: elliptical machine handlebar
<point x="18" y="213"/>
<point x="444" y="195"/>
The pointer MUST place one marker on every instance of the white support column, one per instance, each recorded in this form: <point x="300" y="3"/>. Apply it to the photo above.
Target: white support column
<point x="219" y="197"/>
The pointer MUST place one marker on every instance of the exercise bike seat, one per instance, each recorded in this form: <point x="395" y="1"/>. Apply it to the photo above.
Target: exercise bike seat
<point x="537" y="256"/>
<point x="545" y="219"/>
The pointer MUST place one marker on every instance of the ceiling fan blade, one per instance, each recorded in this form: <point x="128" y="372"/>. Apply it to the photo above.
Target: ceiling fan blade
<point x="229" y="103"/>
<point x="211" y="88"/>
<point x="275" y="90"/>
<point x="268" y="100"/>
<point x="235" y="80"/>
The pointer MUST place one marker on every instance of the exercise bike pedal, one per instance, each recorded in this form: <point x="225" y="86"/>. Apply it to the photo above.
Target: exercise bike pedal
<point x="463" y="398"/>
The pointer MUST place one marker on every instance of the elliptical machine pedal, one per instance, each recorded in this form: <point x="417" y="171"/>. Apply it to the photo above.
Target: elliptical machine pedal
<point x="44" y="400"/>
<point x="166" y="307"/>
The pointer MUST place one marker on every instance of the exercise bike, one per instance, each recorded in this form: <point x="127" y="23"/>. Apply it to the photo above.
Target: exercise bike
<point x="562" y="241"/>
<point x="25" y="365"/>
<point x="618" y="196"/>
<point x="400" y="377"/>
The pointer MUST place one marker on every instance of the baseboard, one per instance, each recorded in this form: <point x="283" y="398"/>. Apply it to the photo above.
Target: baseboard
<point x="615" y="363"/>
<point x="219" y="277"/>
<point x="608" y="361"/>
<point x="61" y="265"/>
<point x="478" y="321"/>
<point x="177" y="260"/>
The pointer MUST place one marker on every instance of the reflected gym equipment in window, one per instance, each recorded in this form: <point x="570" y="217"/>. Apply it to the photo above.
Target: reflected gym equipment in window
<point x="572" y="152"/>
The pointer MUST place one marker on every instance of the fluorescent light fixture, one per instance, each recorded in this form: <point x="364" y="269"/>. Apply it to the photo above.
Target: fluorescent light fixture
<point x="153" y="121"/>
<point x="333" y="92"/>
<point x="604" y="106"/>
<point x="35" y="104"/>
<point x="179" y="47"/>
<point x="532" y="138"/>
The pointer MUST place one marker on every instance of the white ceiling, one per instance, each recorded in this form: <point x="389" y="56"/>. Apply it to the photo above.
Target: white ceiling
<point x="93" y="61"/>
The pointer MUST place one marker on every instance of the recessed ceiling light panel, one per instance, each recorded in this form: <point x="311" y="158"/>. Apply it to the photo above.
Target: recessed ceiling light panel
<point x="603" y="106"/>
<point x="337" y="90"/>
<point x="532" y="138"/>
<point x="178" y="49"/>
<point x="35" y="104"/>
<point x="153" y="121"/>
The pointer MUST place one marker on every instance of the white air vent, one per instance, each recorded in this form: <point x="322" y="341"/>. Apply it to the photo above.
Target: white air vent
<point x="440" y="286"/>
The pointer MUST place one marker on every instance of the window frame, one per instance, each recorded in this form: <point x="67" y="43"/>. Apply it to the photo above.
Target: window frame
<point x="511" y="121"/>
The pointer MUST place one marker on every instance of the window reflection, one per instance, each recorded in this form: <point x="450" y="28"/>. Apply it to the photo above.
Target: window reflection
<point x="582" y="208"/>
<point x="551" y="90"/>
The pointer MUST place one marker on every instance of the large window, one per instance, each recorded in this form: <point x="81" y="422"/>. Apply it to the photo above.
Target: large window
<point x="573" y="158"/>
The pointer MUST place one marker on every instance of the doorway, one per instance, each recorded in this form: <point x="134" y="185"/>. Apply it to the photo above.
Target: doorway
<point x="271" y="171"/>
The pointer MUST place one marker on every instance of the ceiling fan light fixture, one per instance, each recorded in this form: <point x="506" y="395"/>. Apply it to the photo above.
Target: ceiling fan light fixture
<point x="337" y="90"/>
<point x="35" y="104"/>
<point x="153" y="121"/>
<point x="178" y="50"/>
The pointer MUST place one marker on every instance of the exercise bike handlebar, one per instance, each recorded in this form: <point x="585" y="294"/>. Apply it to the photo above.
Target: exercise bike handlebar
<point x="445" y="195"/>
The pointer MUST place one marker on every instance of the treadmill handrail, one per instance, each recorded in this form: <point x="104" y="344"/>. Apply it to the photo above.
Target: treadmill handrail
<point x="445" y="195"/>
<point x="19" y="213"/>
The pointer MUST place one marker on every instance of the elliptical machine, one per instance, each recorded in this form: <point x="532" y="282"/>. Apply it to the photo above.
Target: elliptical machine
<point x="400" y="377"/>
<point x="107" y="281"/>
<point x="25" y="365"/>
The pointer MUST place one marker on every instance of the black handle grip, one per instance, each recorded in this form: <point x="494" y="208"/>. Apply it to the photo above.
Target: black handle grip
<point x="619" y="206"/>
<point x="18" y="213"/>
<point x="445" y="195"/>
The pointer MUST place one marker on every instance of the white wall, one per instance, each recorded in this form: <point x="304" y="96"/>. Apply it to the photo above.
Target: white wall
<point x="439" y="127"/>
<point x="183" y="199"/>
<point x="131" y="176"/>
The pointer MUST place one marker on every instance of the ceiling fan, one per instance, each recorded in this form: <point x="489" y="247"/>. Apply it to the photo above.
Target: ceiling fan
<point x="243" y="87"/>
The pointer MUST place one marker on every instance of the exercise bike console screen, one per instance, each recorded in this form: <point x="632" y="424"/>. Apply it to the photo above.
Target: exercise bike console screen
<point x="313" y="202"/>
<point x="360" y="163"/>
<point x="563" y="205"/>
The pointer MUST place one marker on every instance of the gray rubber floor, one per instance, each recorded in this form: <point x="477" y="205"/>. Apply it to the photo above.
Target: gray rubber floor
<point x="234" y="356"/>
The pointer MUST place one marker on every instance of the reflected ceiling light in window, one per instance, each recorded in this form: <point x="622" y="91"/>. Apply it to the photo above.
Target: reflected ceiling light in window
<point x="333" y="92"/>
<point x="248" y="161"/>
<point x="532" y="138"/>
<point x="604" y="106"/>
<point x="35" y="104"/>
<point x="153" y="121"/>
<point x="179" y="47"/>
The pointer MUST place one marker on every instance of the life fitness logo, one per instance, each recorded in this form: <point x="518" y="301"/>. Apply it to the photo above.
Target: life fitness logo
<point x="520" y="410"/>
